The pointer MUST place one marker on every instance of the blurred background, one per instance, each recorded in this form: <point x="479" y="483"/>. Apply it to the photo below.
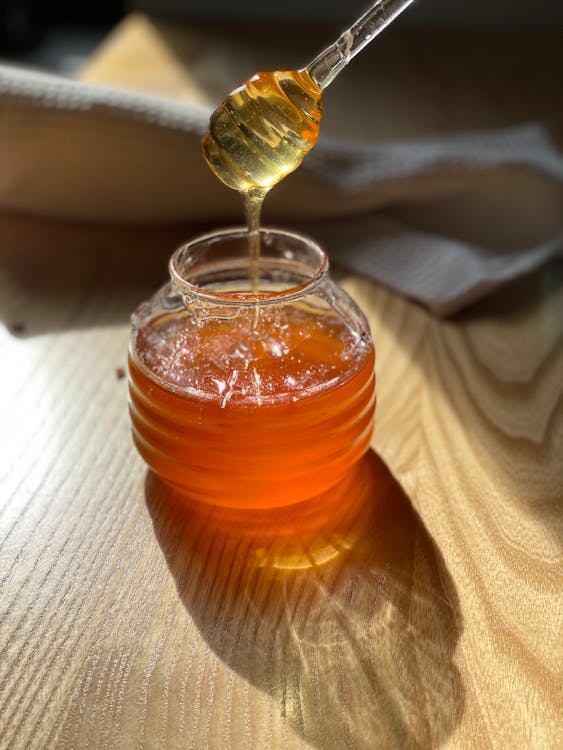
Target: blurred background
<point x="61" y="35"/>
<point x="451" y="71"/>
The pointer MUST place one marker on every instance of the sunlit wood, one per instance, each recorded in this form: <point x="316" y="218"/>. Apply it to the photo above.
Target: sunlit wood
<point x="419" y="606"/>
<point x="417" y="611"/>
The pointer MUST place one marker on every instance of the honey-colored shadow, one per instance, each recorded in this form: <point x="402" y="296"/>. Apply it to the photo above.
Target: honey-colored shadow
<point x="341" y="608"/>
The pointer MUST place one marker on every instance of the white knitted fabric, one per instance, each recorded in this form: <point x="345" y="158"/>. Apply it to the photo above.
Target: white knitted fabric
<point x="444" y="220"/>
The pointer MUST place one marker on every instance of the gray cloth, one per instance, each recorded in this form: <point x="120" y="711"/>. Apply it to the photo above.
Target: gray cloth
<point x="443" y="220"/>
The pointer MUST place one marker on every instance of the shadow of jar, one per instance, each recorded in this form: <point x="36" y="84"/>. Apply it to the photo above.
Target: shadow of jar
<point x="341" y="608"/>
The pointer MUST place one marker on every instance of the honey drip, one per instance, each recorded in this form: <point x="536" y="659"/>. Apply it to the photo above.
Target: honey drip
<point x="253" y="200"/>
<point x="261" y="133"/>
<point x="264" y="129"/>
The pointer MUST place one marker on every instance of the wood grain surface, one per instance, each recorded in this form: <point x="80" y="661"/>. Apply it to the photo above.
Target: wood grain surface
<point x="420" y="606"/>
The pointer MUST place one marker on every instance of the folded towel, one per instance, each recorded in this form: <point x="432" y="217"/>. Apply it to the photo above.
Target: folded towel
<point x="443" y="220"/>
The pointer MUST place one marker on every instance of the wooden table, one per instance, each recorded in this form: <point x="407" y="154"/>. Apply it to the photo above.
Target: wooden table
<point x="424" y="611"/>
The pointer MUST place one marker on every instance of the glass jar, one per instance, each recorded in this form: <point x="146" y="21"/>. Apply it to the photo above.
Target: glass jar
<point x="251" y="387"/>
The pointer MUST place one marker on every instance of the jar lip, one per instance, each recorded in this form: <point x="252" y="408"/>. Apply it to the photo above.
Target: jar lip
<point x="266" y="297"/>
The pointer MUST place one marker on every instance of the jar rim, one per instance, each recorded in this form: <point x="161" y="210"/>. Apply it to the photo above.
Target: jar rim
<point x="251" y="297"/>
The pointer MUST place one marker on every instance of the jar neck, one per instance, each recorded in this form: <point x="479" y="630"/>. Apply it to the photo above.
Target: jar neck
<point x="217" y="268"/>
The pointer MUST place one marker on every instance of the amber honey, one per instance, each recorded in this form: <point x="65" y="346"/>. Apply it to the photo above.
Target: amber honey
<point x="264" y="129"/>
<point x="252" y="417"/>
<point x="258" y="135"/>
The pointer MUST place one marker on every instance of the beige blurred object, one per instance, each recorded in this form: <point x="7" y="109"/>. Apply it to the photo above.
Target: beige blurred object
<point x="138" y="55"/>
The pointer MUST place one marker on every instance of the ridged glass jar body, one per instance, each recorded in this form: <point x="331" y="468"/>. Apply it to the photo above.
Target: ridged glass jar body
<point x="251" y="395"/>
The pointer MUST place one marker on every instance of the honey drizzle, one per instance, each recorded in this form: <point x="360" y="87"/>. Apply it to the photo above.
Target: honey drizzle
<point x="253" y="200"/>
<point x="264" y="129"/>
<point x="260" y="134"/>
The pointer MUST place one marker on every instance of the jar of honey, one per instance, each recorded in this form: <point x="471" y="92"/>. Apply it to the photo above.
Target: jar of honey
<point x="251" y="387"/>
